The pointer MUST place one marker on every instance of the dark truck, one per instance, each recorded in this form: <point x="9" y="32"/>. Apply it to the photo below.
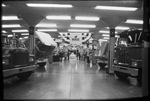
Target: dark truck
<point x="128" y="55"/>
<point x="17" y="60"/>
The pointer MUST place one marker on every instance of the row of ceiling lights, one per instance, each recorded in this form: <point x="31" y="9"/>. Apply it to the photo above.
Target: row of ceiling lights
<point x="77" y="17"/>
<point x="70" y="6"/>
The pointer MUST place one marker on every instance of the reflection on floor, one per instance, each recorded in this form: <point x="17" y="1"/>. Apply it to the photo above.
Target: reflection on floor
<point x="71" y="79"/>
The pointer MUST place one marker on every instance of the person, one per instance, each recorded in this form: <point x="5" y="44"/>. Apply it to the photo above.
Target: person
<point x="68" y="53"/>
<point x="87" y="55"/>
<point x="61" y="54"/>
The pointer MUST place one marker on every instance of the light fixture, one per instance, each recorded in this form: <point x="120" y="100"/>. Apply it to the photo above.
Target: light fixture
<point x="105" y="37"/>
<point x="26" y="37"/>
<point x="10" y="35"/>
<point x="47" y="30"/>
<point x="10" y="18"/>
<point x="116" y="8"/>
<point x="3" y="31"/>
<point x="46" y="25"/>
<point x="121" y="28"/>
<point x="82" y="26"/>
<point x="78" y="30"/>
<point x="87" y="18"/>
<point x="10" y="25"/>
<point x="24" y="33"/>
<point x="104" y="31"/>
<point x="58" y="17"/>
<point x="20" y="30"/>
<point x="3" y="5"/>
<point x="132" y="21"/>
<point x="49" y="5"/>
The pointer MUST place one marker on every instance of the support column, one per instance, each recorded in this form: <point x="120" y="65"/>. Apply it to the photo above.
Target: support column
<point x="112" y="22"/>
<point x="145" y="52"/>
<point x="31" y="40"/>
<point x="111" y="51"/>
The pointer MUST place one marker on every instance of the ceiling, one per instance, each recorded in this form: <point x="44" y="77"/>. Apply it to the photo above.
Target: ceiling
<point x="33" y="15"/>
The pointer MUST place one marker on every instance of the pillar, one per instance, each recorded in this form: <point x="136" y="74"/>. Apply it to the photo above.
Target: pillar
<point x="145" y="52"/>
<point x="31" y="40"/>
<point x="111" y="51"/>
<point x="112" y="22"/>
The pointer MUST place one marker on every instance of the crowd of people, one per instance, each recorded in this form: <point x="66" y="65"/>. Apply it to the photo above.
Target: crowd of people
<point x="85" y="54"/>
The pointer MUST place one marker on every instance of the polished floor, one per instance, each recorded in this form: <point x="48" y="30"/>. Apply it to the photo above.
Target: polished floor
<point x="71" y="79"/>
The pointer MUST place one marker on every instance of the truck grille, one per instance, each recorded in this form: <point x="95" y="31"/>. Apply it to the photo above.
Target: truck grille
<point x="20" y="58"/>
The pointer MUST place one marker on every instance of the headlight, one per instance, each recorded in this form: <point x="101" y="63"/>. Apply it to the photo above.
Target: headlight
<point x="134" y="63"/>
<point x="5" y="61"/>
<point x="115" y="61"/>
<point x="31" y="59"/>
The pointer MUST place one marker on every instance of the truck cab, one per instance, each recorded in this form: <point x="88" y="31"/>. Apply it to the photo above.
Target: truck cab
<point x="128" y="55"/>
<point x="16" y="59"/>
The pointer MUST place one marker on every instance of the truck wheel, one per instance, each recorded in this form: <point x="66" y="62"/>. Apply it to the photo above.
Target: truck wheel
<point x="139" y="78"/>
<point x="24" y="76"/>
<point x="121" y="75"/>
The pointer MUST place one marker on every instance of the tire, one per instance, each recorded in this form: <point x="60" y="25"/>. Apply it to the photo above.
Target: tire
<point x="25" y="75"/>
<point x="121" y="75"/>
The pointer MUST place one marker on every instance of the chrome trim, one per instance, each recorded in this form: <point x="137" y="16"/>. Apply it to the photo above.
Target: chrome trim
<point x="14" y="71"/>
<point x="131" y="71"/>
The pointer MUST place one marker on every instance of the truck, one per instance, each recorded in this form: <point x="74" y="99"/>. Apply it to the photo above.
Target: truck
<point x="102" y="58"/>
<point x="18" y="61"/>
<point x="127" y="59"/>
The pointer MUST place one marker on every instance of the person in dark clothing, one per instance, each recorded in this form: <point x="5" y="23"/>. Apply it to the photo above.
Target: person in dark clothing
<point x="68" y="54"/>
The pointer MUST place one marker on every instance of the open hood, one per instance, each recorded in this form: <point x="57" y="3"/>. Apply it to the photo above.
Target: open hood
<point x="45" y="38"/>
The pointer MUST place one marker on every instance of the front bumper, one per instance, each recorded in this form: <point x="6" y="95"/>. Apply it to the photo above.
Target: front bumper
<point x="131" y="71"/>
<point x="14" y="71"/>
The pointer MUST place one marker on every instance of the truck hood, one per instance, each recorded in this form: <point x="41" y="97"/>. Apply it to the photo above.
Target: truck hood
<point x="45" y="38"/>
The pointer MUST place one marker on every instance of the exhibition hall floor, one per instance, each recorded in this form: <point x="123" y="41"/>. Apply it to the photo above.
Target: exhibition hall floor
<point x="71" y="79"/>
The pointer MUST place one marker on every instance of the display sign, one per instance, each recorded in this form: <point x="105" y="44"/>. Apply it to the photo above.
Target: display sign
<point x="76" y="38"/>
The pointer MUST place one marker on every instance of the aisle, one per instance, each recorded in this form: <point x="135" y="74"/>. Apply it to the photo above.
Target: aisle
<point x="71" y="79"/>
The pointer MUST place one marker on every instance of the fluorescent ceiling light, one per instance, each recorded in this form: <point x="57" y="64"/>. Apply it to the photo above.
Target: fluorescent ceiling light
<point x="87" y="18"/>
<point x="78" y="30"/>
<point x="117" y="36"/>
<point x="121" y="28"/>
<point x="3" y="5"/>
<point x="47" y="30"/>
<point x="103" y="31"/>
<point x="10" y="18"/>
<point x="26" y="37"/>
<point x="82" y="26"/>
<point x="105" y="37"/>
<point x="58" y="17"/>
<point x="134" y="21"/>
<point x="10" y="26"/>
<point x="20" y="30"/>
<point x="50" y="5"/>
<point x="4" y="31"/>
<point x="9" y="35"/>
<point x="116" y="8"/>
<point x="46" y="25"/>
<point x="25" y="34"/>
